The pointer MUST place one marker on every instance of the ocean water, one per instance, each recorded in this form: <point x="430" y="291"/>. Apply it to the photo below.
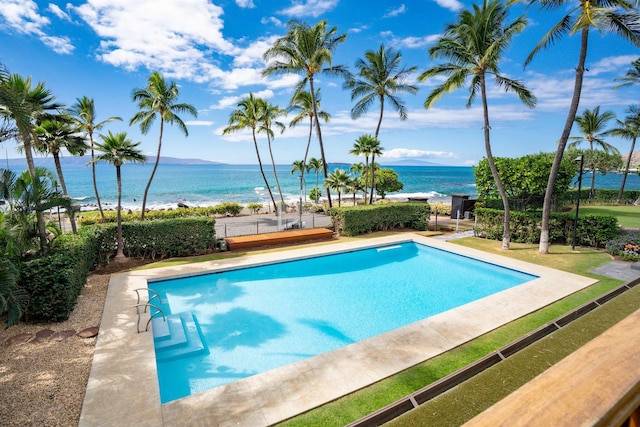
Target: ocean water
<point x="210" y="184"/>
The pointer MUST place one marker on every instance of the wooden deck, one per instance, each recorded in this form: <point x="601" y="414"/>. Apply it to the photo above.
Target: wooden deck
<point x="266" y="239"/>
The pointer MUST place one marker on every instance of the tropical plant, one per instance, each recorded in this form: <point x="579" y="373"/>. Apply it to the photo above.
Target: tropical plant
<point x="387" y="182"/>
<point x="381" y="78"/>
<point x="474" y="45"/>
<point x="315" y="194"/>
<point x="363" y="147"/>
<point x="338" y="180"/>
<point x="627" y="129"/>
<point x="158" y="99"/>
<point x="307" y="51"/>
<point x="301" y="167"/>
<point x="84" y="113"/>
<point x="118" y="149"/>
<point x="268" y="115"/>
<point x="24" y="104"/>
<point x="13" y="298"/>
<point x="315" y="165"/>
<point x="301" y="103"/>
<point x="55" y="134"/>
<point x="619" y="16"/>
<point x="248" y="115"/>
<point x="592" y="125"/>
<point x="602" y="162"/>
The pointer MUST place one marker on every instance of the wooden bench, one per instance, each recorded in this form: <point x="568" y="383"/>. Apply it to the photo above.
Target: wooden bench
<point x="290" y="236"/>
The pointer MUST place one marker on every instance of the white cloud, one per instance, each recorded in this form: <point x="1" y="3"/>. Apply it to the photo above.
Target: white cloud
<point x="395" y="12"/>
<point x="272" y="20"/>
<point x="24" y="17"/>
<point x="417" y="42"/>
<point x="252" y="54"/>
<point x="314" y="8"/>
<point x="245" y="4"/>
<point x="55" y="9"/>
<point x="232" y="101"/>
<point x="408" y="153"/>
<point x="452" y="5"/>
<point x="199" y="123"/>
<point x="612" y="64"/>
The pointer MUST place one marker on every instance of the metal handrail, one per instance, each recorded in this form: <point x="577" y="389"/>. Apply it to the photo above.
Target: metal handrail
<point x="148" y="304"/>
<point x="155" y="295"/>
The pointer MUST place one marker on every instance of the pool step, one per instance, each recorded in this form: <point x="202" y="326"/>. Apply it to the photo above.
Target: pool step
<point x="178" y="336"/>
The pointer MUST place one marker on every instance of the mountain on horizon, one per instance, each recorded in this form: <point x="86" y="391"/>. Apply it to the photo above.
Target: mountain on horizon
<point x="410" y="162"/>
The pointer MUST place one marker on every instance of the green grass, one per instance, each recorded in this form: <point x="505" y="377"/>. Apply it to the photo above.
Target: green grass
<point x="628" y="216"/>
<point x="356" y="405"/>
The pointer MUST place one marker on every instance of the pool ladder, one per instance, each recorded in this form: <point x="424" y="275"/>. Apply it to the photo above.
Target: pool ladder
<point x="146" y="305"/>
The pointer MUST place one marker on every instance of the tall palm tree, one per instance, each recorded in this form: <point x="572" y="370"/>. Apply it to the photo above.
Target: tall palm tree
<point x="84" y="113"/>
<point x="474" y="45"/>
<point x="628" y="129"/>
<point x="375" y="149"/>
<point x="308" y="51"/>
<point x="301" y="167"/>
<point x="268" y="116"/>
<point x="592" y="125"/>
<point x="55" y="134"/>
<point x="315" y="165"/>
<point x="363" y="147"/>
<point x="338" y="180"/>
<point x="24" y="104"/>
<point x="158" y="99"/>
<point x="381" y="78"/>
<point x="118" y="149"/>
<point x="302" y="103"/>
<point x="619" y="16"/>
<point x="631" y="77"/>
<point x="248" y="115"/>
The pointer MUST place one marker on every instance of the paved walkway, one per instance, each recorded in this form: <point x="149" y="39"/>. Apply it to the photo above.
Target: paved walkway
<point x="623" y="270"/>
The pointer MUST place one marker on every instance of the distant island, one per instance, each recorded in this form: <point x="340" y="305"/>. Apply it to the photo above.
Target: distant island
<point x="47" y="162"/>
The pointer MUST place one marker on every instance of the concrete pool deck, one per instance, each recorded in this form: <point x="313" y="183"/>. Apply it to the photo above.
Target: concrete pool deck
<point x="123" y="386"/>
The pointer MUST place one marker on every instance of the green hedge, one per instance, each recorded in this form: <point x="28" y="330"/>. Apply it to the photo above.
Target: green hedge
<point x="592" y="230"/>
<point x="159" y="238"/>
<point x="352" y="221"/>
<point x="54" y="281"/>
<point x="603" y="196"/>
<point x="225" y="208"/>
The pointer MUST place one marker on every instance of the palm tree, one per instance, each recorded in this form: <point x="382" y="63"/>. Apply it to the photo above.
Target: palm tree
<point x="84" y="112"/>
<point x="307" y="50"/>
<point x="628" y="129"/>
<point x="362" y="147"/>
<point x="474" y="46"/>
<point x="632" y="77"/>
<point x="53" y="135"/>
<point x="117" y="150"/>
<point x="619" y="16"/>
<point x="375" y="149"/>
<point x="302" y="102"/>
<point x="158" y="99"/>
<point x="592" y="124"/>
<point x="300" y="166"/>
<point x="268" y="115"/>
<point x="24" y="105"/>
<point x="315" y="165"/>
<point x="338" y="180"/>
<point x="248" y="115"/>
<point x="381" y="78"/>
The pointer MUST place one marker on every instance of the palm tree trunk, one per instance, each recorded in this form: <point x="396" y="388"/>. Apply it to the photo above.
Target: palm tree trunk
<point x="93" y="176"/>
<point x="315" y="114"/>
<point x="592" y="190"/>
<point x="626" y="171"/>
<point x="264" y="177"/>
<point x="506" y="230"/>
<point x="373" y="162"/>
<point x="555" y="168"/>
<point x="119" y="239"/>
<point x="42" y="229"/>
<point x="275" y="173"/>
<point x="70" y="213"/>
<point x="153" y="171"/>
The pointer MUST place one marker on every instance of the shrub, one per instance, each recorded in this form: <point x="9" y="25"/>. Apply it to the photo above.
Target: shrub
<point x="110" y="216"/>
<point x="255" y="207"/>
<point x="228" y="208"/>
<point x="352" y="221"/>
<point x="626" y="246"/>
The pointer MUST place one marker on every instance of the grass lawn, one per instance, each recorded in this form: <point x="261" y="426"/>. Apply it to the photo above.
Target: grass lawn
<point x="365" y="401"/>
<point x="628" y="216"/>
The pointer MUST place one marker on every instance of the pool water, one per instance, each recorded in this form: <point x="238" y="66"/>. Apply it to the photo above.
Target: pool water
<point x="233" y="324"/>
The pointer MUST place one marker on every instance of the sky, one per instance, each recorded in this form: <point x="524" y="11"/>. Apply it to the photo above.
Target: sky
<point x="213" y="51"/>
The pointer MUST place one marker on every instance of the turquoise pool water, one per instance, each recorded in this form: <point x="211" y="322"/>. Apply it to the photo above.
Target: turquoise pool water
<point x="230" y="325"/>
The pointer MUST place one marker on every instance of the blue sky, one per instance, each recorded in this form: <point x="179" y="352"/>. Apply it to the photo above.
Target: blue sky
<point x="104" y="49"/>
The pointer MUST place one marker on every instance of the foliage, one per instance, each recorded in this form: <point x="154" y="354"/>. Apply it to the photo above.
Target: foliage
<point x="387" y="182"/>
<point x="13" y="299"/>
<point x="352" y="221"/>
<point x="592" y="230"/>
<point x="603" y="196"/>
<point x="626" y="246"/>
<point x="524" y="178"/>
<point x="225" y="208"/>
<point x="315" y="194"/>
<point x="255" y="207"/>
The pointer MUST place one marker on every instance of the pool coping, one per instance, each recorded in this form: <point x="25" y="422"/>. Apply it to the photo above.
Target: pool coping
<point x="123" y="386"/>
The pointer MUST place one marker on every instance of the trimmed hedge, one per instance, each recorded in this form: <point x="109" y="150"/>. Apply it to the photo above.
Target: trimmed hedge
<point x="592" y="230"/>
<point x="352" y="221"/>
<point x="225" y="208"/>
<point x="54" y="281"/>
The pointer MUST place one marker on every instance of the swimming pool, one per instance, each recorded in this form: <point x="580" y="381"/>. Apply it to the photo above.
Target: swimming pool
<point x="123" y="384"/>
<point x="234" y="324"/>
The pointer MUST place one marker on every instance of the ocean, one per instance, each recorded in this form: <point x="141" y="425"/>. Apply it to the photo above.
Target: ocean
<point x="210" y="184"/>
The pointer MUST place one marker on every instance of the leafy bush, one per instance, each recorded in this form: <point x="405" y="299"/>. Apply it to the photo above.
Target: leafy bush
<point x="110" y="216"/>
<point x="626" y="246"/>
<point x="592" y="230"/>
<point x="255" y="207"/>
<point x="228" y="208"/>
<point x="603" y="196"/>
<point x="352" y="221"/>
